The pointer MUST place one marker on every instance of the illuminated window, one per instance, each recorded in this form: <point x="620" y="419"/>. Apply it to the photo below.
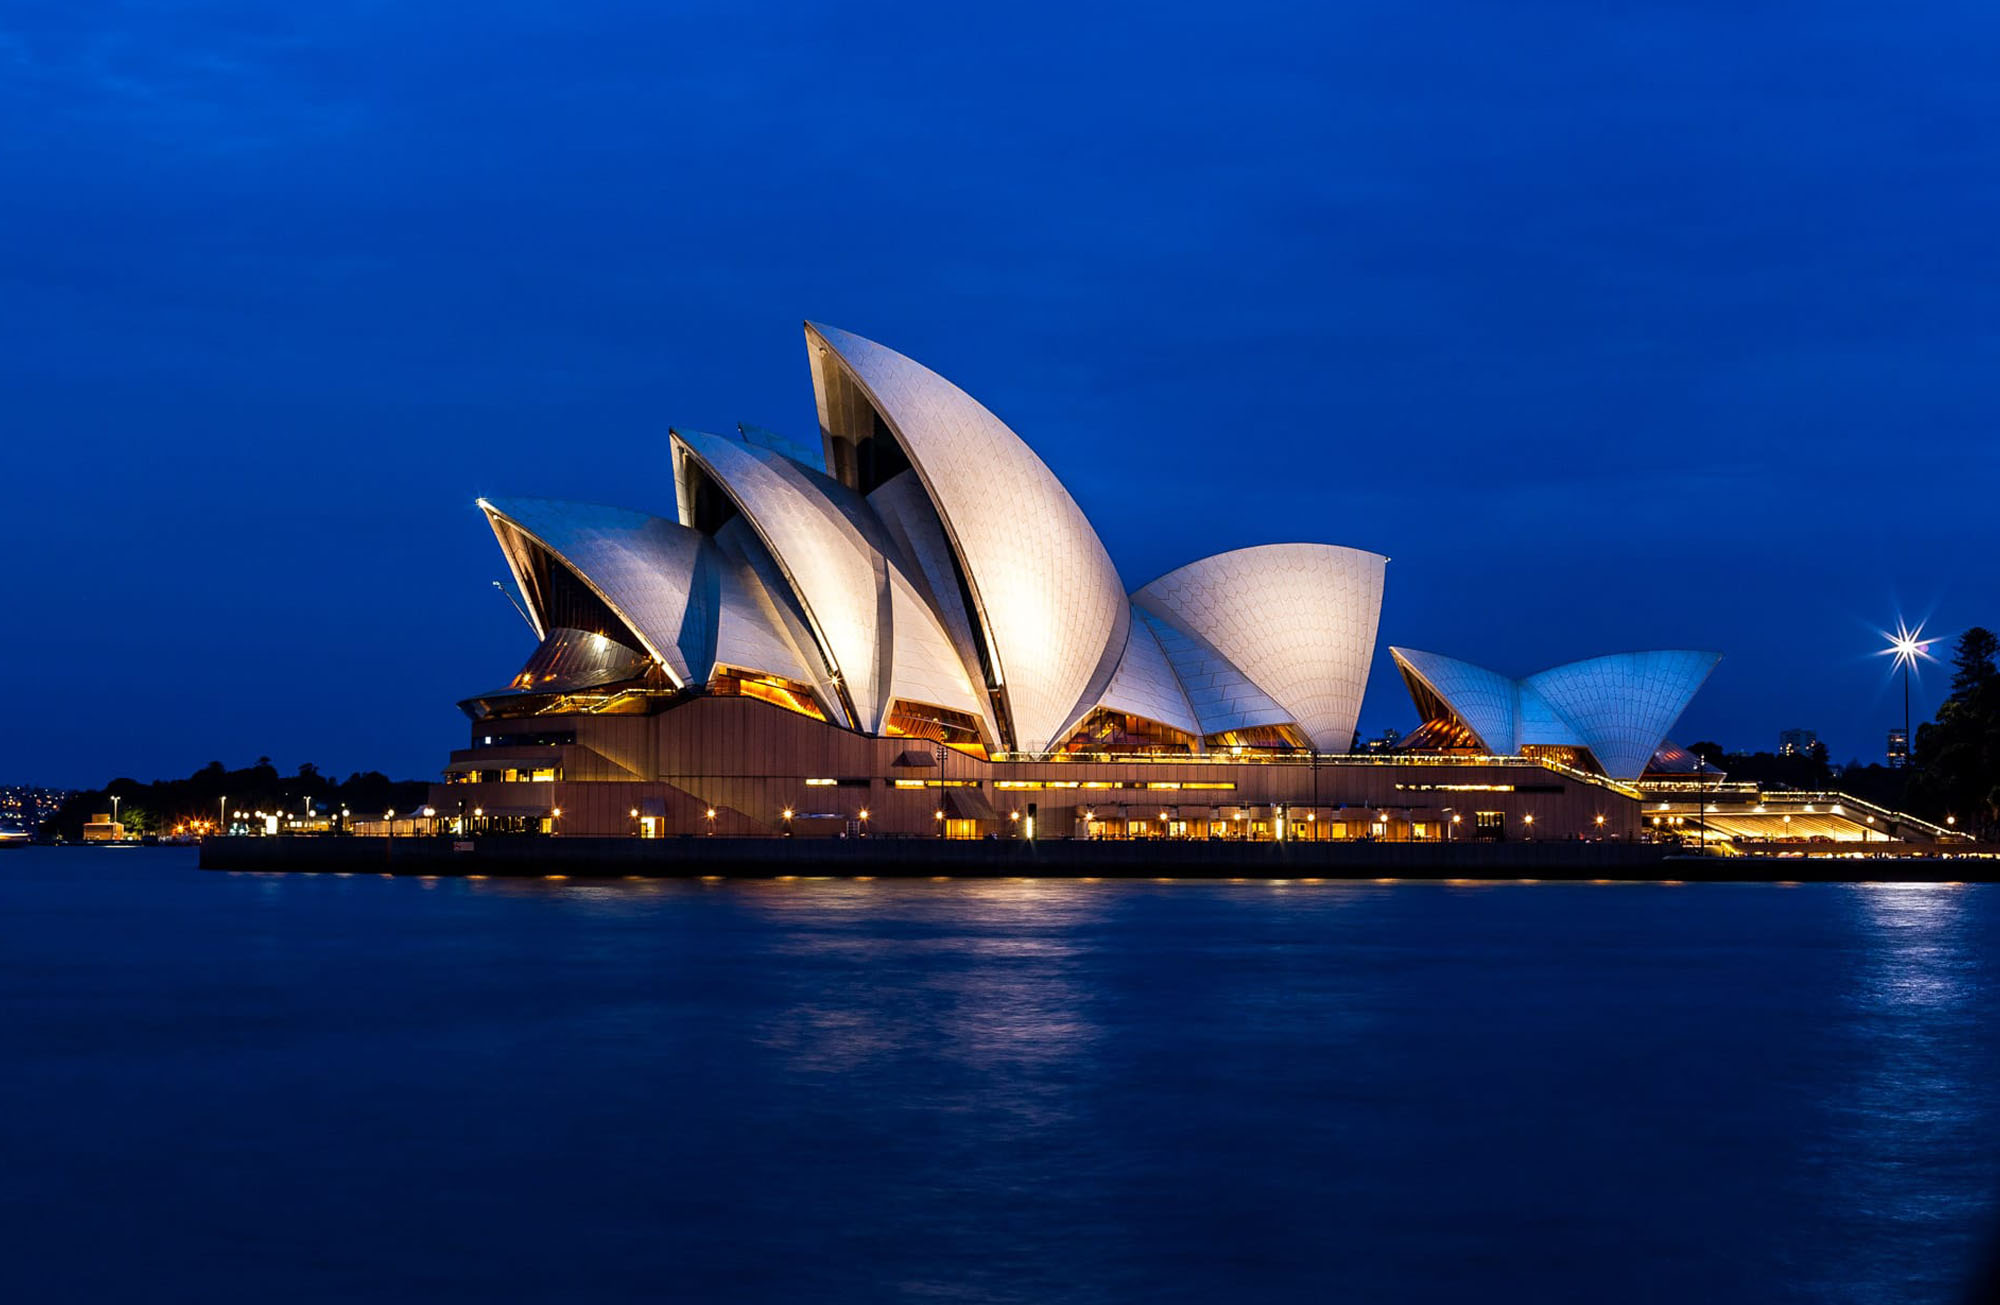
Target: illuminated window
<point x="922" y="720"/>
<point x="735" y="682"/>
<point x="1116" y="731"/>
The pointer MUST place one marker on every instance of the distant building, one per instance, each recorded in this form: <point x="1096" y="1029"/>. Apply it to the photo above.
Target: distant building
<point x="1797" y="743"/>
<point x="1899" y="748"/>
<point x="101" y="828"/>
<point x="1386" y="741"/>
<point x="26" y="806"/>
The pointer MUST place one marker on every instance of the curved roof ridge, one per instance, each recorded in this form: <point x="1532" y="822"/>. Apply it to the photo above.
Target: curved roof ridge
<point x="1483" y="700"/>
<point x="1048" y="604"/>
<point x="643" y="568"/>
<point x="1298" y="619"/>
<point x="1624" y="704"/>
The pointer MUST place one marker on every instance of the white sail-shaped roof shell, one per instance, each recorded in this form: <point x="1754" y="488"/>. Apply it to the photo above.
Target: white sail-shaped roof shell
<point x="1623" y="705"/>
<point x="875" y="630"/>
<point x="830" y="565"/>
<point x="750" y="632"/>
<point x="1221" y="696"/>
<point x="1484" y="701"/>
<point x="1298" y="619"/>
<point x="1050" y="609"/>
<point x="1145" y="683"/>
<point x="645" y="569"/>
<point x="910" y="521"/>
<point x="1620" y="707"/>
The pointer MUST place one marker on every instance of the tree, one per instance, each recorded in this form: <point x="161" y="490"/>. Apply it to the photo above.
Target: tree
<point x="1957" y="756"/>
<point x="1972" y="662"/>
<point x="1710" y="752"/>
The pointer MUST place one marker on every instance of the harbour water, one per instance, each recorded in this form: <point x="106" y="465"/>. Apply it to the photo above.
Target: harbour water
<point x="224" y="1087"/>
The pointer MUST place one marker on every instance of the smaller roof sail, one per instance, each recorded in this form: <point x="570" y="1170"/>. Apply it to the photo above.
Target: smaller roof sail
<point x="1624" y="704"/>
<point x="1619" y="707"/>
<point x="871" y="622"/>
<point x="750" y="632"/>
<point x="1223" y="699"/>
<point x="573" y="561"/>
<point x="817" y="542"/>
<point x="1298" y="620"/>
<point x="1145" y="683"/>
<point x="1483" y="701"/>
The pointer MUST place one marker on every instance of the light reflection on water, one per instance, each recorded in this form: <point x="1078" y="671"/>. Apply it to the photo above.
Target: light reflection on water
<point x="837" y="1089"/>
<point x="1909" y="1145"/>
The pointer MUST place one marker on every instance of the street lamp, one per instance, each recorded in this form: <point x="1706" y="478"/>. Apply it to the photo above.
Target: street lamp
<point x="1906" y="647"/>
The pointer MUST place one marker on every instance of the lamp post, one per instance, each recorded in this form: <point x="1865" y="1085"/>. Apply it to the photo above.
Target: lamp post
<point x="1906" y="646"/>
<point x="222" y="815"/>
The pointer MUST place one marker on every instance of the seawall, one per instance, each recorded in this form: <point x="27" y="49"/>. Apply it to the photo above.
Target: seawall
<point x="924" y="858"/>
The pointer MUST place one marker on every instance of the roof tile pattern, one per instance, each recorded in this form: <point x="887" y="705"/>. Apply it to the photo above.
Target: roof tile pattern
<point x="644" y="567"/>
<point x="1624" y="704"/>
<point x="1484" y="700"/>
<point x="1051" y="605"/>
<point x="1620" y="706"/>
<point x="749" y="631"/>
<point x="881" y="636"/>
<point x="1145" y="683"/>
<point x="1221" y="696"/>
<point x="1298" y="619"/>
<point x="822" y="551"/>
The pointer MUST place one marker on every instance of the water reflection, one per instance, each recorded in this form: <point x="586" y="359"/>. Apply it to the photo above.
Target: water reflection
<point x="984" y="975"/>
<point x="1910" y="1149"/>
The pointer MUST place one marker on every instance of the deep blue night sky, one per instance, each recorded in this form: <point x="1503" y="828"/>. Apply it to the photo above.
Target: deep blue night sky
<point x="1614" y="326"/>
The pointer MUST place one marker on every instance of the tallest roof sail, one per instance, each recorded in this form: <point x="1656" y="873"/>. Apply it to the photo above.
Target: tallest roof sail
<point x="1050" y="613"/>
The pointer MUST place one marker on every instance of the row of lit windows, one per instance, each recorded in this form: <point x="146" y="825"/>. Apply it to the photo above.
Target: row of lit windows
<point x="536" y="775"/>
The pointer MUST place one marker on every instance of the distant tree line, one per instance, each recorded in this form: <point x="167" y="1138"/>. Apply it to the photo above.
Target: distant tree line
<point x="163" y="804"/>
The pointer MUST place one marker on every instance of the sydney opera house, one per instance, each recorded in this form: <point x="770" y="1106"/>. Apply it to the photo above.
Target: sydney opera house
<point x="911" y="630"/>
